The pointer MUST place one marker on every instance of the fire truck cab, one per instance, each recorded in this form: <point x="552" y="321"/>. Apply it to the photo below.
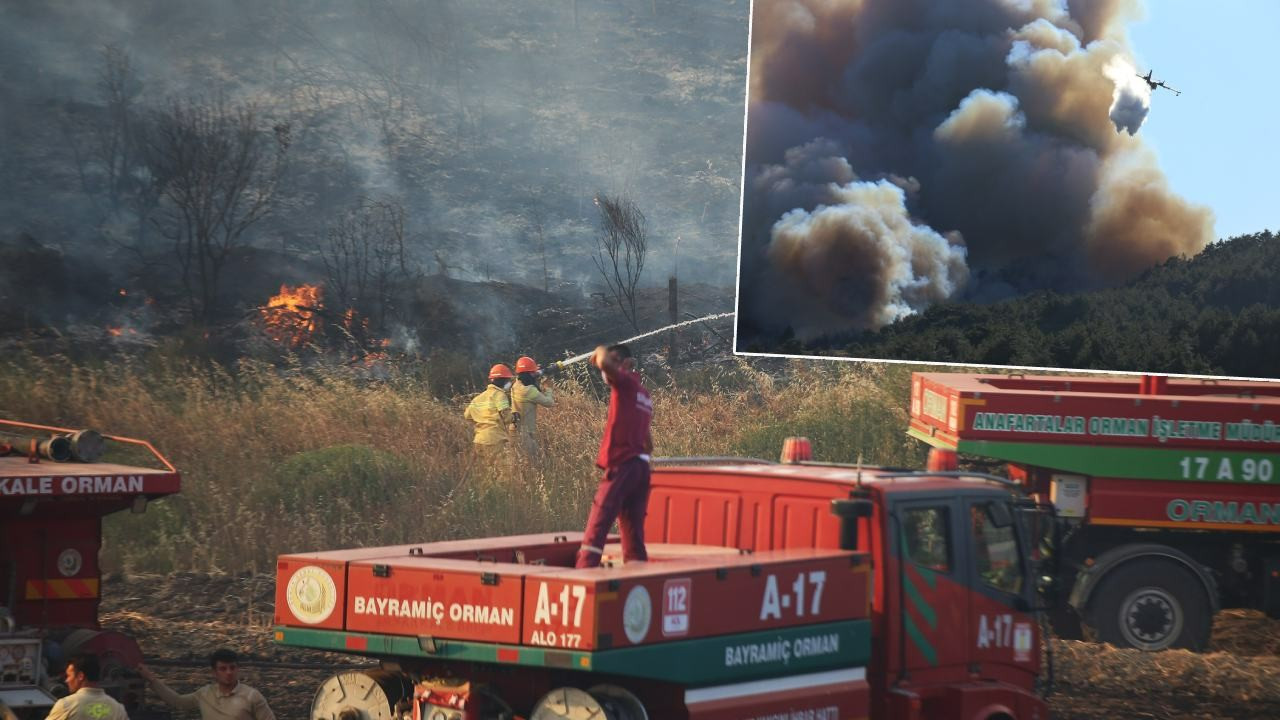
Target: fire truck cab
<point x="773" y="590"/>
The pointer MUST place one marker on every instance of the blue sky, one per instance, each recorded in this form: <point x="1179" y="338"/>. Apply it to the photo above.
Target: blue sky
<point x="1217" y="142"/>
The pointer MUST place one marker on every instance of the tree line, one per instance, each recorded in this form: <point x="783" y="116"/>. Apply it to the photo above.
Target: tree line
<point x="1215" y="313"/>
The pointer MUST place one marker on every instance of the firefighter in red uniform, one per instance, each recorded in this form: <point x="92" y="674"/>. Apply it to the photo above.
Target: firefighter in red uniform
<point x="624" y="456"/>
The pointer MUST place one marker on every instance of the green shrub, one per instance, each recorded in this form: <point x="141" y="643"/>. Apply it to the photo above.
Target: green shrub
<point x="338" y="484"/>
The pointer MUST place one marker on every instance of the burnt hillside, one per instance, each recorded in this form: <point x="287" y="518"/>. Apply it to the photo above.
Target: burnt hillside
<point x="448" y="142"/>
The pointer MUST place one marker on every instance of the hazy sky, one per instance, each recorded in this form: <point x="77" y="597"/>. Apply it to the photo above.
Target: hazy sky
<point x="1217" y="141"/>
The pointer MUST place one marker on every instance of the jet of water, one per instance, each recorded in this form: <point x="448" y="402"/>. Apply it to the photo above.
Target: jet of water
<point x="585" y="355"/>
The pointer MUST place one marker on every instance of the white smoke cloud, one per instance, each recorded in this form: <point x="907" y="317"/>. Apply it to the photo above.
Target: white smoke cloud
<point x="864" y="260"/>
<point x="1131" y="100"/>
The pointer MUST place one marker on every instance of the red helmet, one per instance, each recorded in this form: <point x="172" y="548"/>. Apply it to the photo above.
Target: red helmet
<point x="500" y="371"/>
<point x="526" y="364"/>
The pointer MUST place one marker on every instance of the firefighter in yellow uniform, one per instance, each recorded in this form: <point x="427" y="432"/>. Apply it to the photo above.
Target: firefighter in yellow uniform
<point x="526" y="396"/>
<point x="491" y="413"/>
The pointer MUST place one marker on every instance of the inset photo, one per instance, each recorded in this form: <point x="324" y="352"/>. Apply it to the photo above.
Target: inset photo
<point x="1030" y="184"/>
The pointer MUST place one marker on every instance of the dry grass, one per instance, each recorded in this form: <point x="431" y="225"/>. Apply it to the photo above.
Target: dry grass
<point x="1120" y="672"/>
<point x="237" y="436"/>
<point x="1246" y="632"/>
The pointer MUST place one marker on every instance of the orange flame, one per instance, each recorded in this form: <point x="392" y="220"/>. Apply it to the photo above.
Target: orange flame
<point x="354" y="322"/>
<point x="291" y="317"/>
<point x="115" y="331"/>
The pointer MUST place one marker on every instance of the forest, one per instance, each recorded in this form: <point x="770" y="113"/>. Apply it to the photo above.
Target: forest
<point x="1217" y="313"/>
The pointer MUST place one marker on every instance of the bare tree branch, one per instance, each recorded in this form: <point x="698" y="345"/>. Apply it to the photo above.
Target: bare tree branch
<point x="364" y="258"/>
<point x="621" y="245"/>
<point x="119" y="87"/>
<point x="219" y="174"/>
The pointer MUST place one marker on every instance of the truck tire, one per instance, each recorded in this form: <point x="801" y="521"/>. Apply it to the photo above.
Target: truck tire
<point x="361" y="695"/>
<point x="1152" y="604"/>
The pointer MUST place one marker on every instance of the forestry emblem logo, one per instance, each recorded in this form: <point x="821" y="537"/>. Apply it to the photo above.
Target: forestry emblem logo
<point x="311" y="594"/>
<point x="637" y="613"/>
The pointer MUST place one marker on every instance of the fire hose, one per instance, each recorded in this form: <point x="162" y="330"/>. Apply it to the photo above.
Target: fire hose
<point x="83" y="446"/>
<point x="561" y="364"/>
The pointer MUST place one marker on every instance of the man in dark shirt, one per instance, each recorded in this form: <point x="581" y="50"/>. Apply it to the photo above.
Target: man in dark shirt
<point x="624" y="456"/>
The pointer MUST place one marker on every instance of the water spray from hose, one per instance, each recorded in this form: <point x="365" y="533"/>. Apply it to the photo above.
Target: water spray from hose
<point x="673" y="326"/>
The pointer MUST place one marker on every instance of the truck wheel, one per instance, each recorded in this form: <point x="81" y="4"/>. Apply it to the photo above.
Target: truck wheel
<point x="1152" y="605"/>
<point x="602" y="702"/>
<point x="360" y="695"/>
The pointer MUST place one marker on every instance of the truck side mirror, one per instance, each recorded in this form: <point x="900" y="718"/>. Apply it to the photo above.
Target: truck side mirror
<point x="849" y="510"/>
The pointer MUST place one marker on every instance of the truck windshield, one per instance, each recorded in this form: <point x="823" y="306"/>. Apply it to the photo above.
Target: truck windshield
<point x="995" y="550"/>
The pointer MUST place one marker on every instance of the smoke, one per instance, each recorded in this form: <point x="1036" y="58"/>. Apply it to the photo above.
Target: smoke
<point x="1131" y="99"/>
<point x="901" y="153"/>
<point x="490" y="121"/>
<point x="864" y="259"/>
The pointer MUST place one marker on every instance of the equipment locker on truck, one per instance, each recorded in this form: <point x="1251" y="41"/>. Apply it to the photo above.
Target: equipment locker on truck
<point x="772" y="590"/>
<point x="1166" y="490"/>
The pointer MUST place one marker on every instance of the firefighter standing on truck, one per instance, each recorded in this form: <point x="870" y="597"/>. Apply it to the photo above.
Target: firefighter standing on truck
<point x="491" y="413"/>
<point x="624" y="456"/>
<point x="526" y="396"/>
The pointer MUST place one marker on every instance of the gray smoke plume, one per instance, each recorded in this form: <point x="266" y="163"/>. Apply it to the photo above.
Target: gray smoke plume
<point x="904" y="152"/>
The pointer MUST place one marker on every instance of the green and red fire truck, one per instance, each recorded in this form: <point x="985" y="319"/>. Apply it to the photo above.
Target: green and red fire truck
<point x="1167" y="490"/>
<point x="774" y="591"/>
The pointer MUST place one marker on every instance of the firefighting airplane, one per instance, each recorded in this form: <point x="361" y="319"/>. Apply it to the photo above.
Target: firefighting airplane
<point x="1157" y="83"/>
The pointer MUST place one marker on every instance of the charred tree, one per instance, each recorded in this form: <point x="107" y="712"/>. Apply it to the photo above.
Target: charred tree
<point x="621" y="245"/>
<point x="102" y="139"/>
<point x="219" y="172"/>
<point x="364" y="259"/>
<point x="116" y="143"/>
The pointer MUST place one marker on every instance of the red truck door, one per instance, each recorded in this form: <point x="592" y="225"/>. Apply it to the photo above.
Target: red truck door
<point x="1003" y="634"/>
<point x="959" y="640"/>
<point x="929" y="604"/>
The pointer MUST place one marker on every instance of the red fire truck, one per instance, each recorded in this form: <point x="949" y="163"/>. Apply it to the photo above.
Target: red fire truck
<point x="773" y="590"/>
<point x="55" y="488"/>
<point x="1167" y="490"/>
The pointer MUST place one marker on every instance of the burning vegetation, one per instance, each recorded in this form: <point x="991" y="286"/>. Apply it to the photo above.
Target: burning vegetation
<point x="292" y="316"/>
<point x="295" y="318"/>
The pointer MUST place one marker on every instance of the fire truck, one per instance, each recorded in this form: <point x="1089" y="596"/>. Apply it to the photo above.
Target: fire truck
<point x="1167" y="491"/>
<point x="773" y="590"/>
<point x="55" y="489"/>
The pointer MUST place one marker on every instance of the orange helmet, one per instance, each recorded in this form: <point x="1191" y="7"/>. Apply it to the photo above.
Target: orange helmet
<point x="500" y="371"/>
<point x="526" y="364"/>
